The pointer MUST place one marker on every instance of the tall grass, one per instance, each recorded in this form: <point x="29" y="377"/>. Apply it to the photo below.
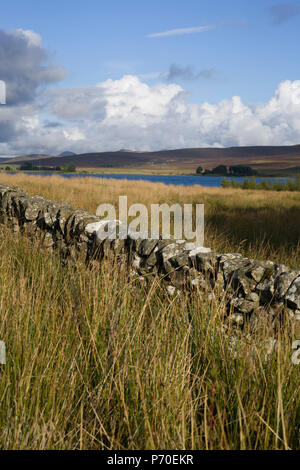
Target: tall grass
<point x="97" y="360"/>
<point x="259" y="224"/>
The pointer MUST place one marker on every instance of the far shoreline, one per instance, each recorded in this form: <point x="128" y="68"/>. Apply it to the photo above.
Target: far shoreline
<point x="147" y="172"/>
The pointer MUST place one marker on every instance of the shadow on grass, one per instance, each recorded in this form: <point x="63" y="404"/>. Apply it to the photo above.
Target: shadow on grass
<point x="268" y="231"/>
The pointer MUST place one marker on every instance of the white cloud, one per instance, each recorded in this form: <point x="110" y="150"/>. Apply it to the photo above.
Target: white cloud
<point x="32" y="38"/>
<point x="24" y="66"/>
<point x="181" y="31"/>
<point x="73" y="134"/>
<point x="129" y="113"/>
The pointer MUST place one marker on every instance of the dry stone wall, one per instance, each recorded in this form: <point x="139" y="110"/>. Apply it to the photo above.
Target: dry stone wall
<point x="246" y="285"/>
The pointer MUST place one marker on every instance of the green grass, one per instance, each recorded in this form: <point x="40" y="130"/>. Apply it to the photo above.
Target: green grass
<point x="265" y="185"/>
<point x="98" y="360"/>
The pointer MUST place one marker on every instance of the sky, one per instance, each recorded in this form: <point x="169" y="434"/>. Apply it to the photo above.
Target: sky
<point x="148" y="75"/>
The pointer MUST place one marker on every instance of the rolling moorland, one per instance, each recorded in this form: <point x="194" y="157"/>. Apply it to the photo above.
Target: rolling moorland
<point x="271" y="160"/>
<point x="98" y="360"/>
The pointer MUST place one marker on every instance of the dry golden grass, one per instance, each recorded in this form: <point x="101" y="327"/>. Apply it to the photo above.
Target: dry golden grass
<point x="96" y="360"/>
<point x="260" y="224"/>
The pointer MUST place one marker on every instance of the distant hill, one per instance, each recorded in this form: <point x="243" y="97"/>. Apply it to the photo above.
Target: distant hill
<point x="66" y="154"/>
<point x="259" y="157"/>
<point x="24" y="158"/>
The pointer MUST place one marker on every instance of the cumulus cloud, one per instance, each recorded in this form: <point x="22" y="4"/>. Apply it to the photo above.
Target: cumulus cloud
<point x="24" y="66"/>
<point x="32" y="38"/>
<point x="181" y="31"/>
<point x="25" y="70"/>
<point x="282" y="12"/>
<point x="115" y="101"/>
<point x="128" y="113"/>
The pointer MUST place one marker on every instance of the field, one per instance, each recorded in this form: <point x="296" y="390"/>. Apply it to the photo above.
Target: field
<point x="97" y="360"/>
<point x="260" y="224"/>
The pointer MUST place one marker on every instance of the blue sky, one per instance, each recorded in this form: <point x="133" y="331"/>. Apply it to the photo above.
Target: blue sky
<point x="214" y="50"/>
<point x="95" y="40"/>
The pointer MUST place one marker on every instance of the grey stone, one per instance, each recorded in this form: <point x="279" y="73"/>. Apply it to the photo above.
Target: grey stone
<point x="168" y="252"/>
<point x="136" y="263"/>
<point x="231" y="264"/>
<point x="240" y="281"/>
<point x="161" y="244"/>
<point x="257" y="272"/>
<point x="199" y="282"/>
<point x="48" y="240"/>
<point x="228" y="256"/>
<point x="171" y="290"/>
<point x="293" y="294"/>
<point x="152" y="259"/>
<point x="283" y="282"/>
<point x="189" y="246"/>
<point x="147" y="246"/>
<point x="179" y="260"/>
<point x="32" y="211"/>
<point x="244" y="306"/>
<point x="236" y="319"/>
<point x="206" y="262"/>
<point x="253" y="297"/>
<point x="179" y="276"/>
<point x="198" y="250"/>
<point x="265" y="290"/>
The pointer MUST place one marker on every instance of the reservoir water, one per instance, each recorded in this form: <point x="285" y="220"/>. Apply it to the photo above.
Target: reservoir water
<point x="185" y="180"/>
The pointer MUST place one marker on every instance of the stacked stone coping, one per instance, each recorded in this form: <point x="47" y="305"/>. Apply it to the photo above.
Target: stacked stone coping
<point x="246" y="286"/>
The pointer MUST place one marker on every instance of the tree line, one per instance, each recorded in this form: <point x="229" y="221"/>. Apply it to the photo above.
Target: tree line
<point x="223" y="170"/>
<point x="267" y="185"/>
<point x="29" y="166"/>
